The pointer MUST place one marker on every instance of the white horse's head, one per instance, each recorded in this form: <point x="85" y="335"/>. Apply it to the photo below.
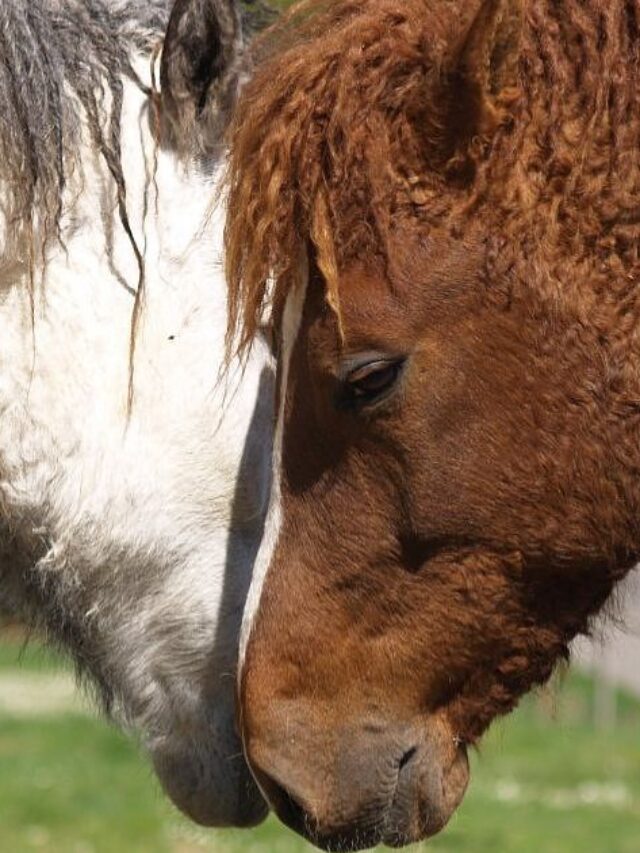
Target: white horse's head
<point x="134" y="471"/>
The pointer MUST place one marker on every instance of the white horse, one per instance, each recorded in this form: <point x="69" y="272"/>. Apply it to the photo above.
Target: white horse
<point x="133" y="478"/>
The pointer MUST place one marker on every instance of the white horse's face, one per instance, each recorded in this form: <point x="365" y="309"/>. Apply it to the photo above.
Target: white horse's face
<point x="143" y="525"/>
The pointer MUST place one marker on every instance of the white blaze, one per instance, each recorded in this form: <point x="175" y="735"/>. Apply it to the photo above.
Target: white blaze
<point x="292" y="317"/>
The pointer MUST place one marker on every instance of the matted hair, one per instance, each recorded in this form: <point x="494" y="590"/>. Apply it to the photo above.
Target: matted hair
<point x="62" y="64"/>
<point x="62" y="67"/>
<point x="345" y="130"/>
<point x="366" y="117"/>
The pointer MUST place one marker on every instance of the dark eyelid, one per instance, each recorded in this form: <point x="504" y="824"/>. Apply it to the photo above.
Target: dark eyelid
<point x="354" y="394"/>
<point x="357" y="362"/>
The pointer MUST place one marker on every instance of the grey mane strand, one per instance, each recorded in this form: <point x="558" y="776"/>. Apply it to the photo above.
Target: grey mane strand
<point x="62" y="63"/>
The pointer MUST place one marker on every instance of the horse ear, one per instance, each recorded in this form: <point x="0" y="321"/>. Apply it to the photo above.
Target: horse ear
<point x="486" y="56"/>
<point x="479" y="76"/>
<point x="200" y="70"/>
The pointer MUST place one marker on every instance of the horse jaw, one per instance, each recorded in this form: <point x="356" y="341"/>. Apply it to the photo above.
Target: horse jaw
<point x="130" y="536"/>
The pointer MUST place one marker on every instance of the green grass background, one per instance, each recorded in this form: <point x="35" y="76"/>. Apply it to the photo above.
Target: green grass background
<point x="545" y="781"/>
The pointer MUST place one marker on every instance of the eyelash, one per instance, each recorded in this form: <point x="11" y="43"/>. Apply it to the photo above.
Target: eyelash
<point x="372" y="382"/>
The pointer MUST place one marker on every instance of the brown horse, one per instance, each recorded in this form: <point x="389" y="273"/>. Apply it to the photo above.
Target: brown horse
<point x="440" y="199"/>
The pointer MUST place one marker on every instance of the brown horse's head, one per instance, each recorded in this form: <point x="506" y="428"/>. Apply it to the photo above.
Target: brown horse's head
<point x="445" y="195"/>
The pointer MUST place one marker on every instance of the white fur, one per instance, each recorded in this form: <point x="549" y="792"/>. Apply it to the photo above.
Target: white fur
<point x="144" y="529"/>
<point x="291" y="319"/>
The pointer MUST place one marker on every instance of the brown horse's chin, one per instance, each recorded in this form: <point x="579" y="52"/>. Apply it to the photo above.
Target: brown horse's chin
<point x="383" y="783"/>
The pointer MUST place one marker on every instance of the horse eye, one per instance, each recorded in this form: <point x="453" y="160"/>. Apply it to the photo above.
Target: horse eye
<point x="371" y="381"/>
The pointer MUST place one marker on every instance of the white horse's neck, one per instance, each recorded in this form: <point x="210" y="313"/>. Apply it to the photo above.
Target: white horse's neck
<point x="144" y="525"/>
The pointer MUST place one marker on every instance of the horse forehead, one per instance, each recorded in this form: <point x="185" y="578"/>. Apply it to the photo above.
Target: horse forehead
<point x="425" y="282"/>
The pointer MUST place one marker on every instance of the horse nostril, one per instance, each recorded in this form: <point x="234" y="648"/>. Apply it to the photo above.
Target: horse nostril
<point x="406" y="758"/>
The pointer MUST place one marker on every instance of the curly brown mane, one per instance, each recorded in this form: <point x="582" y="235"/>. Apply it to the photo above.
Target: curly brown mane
<point x="370" y="116"/>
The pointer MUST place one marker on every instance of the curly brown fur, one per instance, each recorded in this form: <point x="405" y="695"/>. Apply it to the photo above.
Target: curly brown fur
<point x="349" y="125"/>
<point x="360" y="123"/>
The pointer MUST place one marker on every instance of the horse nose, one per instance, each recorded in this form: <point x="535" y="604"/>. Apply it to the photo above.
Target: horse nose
<point x="357" y="789"/>
<point x="333" y="826"/>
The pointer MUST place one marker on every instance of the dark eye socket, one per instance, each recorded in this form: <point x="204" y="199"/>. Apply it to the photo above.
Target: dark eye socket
<point x="372" y="381"/>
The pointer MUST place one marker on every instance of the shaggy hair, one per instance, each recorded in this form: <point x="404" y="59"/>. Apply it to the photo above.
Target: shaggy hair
<point x="370" y="117"/>
<point x="62" y="66"/>
<point x="371" y="125"/>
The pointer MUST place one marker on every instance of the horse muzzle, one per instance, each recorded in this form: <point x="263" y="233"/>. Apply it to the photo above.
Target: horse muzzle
<point x="351" y="789"/>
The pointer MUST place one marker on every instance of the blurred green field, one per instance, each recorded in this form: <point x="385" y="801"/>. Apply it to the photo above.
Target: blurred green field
<point x="544" y="782"/>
